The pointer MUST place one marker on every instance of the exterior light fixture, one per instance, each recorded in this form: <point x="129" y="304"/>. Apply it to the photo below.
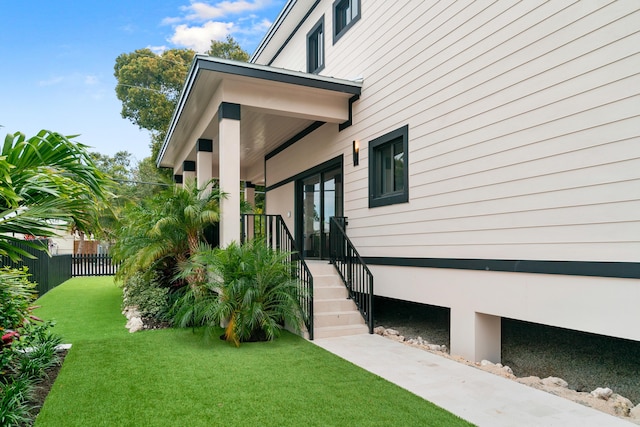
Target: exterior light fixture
<point x="356" y="153"/>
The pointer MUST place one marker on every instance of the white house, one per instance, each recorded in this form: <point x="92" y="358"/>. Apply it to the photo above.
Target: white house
<point x="486" y="154"/>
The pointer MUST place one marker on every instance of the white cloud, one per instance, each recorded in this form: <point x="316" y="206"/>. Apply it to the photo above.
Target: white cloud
<point x="157" y="49"/>
<point x="204" y="20"/>
<point x="199" y="38"/>
<point x="51" y="81"/>
<point x="91" y="80"/>
<point x="204" y="11"/>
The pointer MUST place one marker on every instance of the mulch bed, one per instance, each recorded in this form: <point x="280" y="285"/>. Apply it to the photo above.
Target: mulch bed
<point x="43" y="388"/>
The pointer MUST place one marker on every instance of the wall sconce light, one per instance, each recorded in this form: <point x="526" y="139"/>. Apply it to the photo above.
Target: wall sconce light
<point x="356" y="153"/>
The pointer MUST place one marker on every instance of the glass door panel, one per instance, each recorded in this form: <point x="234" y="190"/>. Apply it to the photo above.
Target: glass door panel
<point x="311" y="210"/>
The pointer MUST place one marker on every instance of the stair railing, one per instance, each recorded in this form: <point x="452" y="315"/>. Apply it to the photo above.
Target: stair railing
<point x="273" y="230"/>
<point x="354" y="272"/>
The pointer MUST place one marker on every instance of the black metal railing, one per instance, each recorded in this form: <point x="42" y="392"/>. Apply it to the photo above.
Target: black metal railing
<point x="93" y="265"/>
<point x="273" y="230"/>
<point x="354" y="272"/>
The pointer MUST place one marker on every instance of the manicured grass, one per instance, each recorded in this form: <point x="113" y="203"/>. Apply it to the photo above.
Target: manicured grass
<point x="177" y="377"/>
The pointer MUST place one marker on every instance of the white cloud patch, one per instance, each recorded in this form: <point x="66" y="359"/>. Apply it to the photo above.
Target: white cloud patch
<point x="158" y="50"/>
<point x="51" y="81"/>
<point x="199" y="38"/>
<point x="202" y="21"/>
<point x="91" y="80"/>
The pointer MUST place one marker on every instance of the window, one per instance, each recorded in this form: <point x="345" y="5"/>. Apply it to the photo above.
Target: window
<point x="389" y="168"/>
<point x="315" y="48"/>
<point x="345" y="14"/>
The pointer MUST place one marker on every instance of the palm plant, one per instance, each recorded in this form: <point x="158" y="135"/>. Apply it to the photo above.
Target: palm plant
<point x="249" y="287"/>
<point x="47" y="181"/>
<point x="166" y="228"/>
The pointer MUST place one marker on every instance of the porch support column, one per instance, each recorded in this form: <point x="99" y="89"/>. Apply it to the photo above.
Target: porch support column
<point x="188" y="171"/>
<point x="475" y="336"/>
<point x="204" y="163"/>
<point x="250" y="193"/>
<point x="229" y="154"/>
<point x="178" y="180"/>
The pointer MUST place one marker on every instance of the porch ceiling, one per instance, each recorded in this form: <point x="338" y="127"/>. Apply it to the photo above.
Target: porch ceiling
<point x="276" y="104"/>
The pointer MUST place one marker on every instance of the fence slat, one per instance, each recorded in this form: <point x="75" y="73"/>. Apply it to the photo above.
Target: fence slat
<point x="93" y="265"/>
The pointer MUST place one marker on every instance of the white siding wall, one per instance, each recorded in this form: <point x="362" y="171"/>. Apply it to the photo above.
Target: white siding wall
<point x="524" y="124"/>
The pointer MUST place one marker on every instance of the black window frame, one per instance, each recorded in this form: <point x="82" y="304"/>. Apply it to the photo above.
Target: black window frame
<point x="376" y="198"/>
<point x="339" y="32"/>
<point x="313" y="36"/>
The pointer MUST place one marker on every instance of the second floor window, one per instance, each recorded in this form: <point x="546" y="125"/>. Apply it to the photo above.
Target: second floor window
<point x="345" y="14"/>
<point x="315" y="48"/>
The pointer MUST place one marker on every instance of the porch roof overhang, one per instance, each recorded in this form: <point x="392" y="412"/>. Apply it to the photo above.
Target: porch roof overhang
<point x="276" y="104"/>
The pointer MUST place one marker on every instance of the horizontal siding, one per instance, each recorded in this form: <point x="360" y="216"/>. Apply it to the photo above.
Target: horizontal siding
<point x="524" y="127"/>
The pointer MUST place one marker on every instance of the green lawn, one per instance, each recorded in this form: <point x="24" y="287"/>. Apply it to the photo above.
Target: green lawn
<point x="176" y="377"/>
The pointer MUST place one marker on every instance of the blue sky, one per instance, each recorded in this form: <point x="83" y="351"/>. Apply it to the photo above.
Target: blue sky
<point x="56" y="67"/>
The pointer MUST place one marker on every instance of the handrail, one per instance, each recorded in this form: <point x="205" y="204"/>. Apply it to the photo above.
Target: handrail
<point x="354" y="272"/>
<point x="276" y="235"/>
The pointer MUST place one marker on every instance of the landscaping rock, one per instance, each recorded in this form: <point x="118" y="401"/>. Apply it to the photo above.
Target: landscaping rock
<point x="602" y="393"/>
<point x="635" y="412"/>
<point x="555" y="382"/>
<point x="391" y="332"/>
<point x="621" y="405"/>
<point x="379" y="330"/>
<point x="134" y="324"/>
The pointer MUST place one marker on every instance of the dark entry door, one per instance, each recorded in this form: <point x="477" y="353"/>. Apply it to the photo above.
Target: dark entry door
<point x="320" y="196"/>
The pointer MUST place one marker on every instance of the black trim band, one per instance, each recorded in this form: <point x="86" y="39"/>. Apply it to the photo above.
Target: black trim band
<point x="177" y="179"/>
<point x="228" y="110"/>
<point x="349" y="122"/>
<point x="246" y="70"/>
<point x="336" y="161"/>
<point x="622" y="270"/>
<point x="189" y="166"/>
<point x="204" y="145"/>
<point x="297" y="137"/>
<point x="249" y="184"/>
<point x="295" y="30"/>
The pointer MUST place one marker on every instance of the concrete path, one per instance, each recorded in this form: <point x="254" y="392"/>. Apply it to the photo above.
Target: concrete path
<point x="479" y="397"/>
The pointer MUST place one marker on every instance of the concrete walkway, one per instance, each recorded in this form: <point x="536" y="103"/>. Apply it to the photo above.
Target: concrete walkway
<point x="480" y="397"/>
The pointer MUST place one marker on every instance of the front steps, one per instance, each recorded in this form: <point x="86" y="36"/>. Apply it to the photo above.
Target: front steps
<point x="334" y="315"/>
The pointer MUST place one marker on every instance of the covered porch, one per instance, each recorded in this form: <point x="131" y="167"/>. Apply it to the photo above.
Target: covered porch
<point x="232" y="115"/>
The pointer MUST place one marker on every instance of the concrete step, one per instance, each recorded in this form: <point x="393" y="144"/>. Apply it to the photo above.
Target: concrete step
<point x="331" y="292"/>
<point x="337" y="304"/>
<point x="326" y="280"/>
<point x="319" y="268"/>
<point x="337" y="318"/>
<point x="339" y="331"/>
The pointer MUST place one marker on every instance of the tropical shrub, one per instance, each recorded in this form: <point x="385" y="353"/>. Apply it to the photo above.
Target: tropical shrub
<point x="249" y="287"/>
<point x="47" y="183"/>
<point x="28" y="347"/>
<point x="147" y="294"/>
<point x="165" y="229"/>
<point x="17" y="294"/>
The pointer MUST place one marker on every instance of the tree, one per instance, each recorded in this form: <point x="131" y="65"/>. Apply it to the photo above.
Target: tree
<point x="229" y="49"/>
<point x="165" y="229"/>
<point x="149" y="87"/>
<point x="46" y="183"/>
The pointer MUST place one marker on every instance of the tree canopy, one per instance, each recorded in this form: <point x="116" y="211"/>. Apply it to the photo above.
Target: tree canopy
<point x="228" y="49"/>
<point x="149" y="84"/>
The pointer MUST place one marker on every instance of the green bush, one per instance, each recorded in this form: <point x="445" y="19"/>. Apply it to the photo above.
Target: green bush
<point x="17" y="294"/>
<point x="30" y="350"/>
<point x="249" y="287"/>
<point x="146" y="292"/>
<point x="13" y="395"/>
